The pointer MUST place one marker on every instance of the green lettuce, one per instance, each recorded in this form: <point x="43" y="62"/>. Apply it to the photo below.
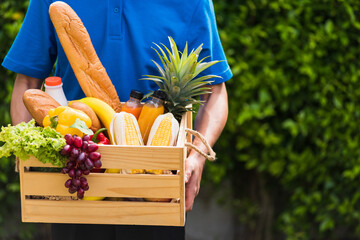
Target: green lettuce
<point x="26" y="139"/>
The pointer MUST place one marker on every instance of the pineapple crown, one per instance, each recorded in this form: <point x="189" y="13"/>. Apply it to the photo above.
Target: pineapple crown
<point x="179" y="77"/>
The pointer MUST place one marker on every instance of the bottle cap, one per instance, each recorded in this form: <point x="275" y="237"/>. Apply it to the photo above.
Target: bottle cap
<point x="53" y="81"/>
<point x="159" y="94"/>
<point x="136" y="94"/>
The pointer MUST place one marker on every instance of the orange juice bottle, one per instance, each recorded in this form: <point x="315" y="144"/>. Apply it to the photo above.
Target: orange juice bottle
<point x="133" y="105"/>
<point x="150" y="111"/>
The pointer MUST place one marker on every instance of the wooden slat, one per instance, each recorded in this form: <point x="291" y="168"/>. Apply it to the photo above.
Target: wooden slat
<point x="189" y="124"/>
<point x="34" y="162"/>
<point x="105" y="185"/>
<point x="182" y="189"/>
<point x="131" y="157"/>
<point x="103" y="212"/>
<point x="182" y="135"/>
<point x="22" y="189"/>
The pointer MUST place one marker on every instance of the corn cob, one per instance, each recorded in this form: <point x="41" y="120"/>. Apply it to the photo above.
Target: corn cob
<point x="163" y="132"/>
<point x="125" y="131"/>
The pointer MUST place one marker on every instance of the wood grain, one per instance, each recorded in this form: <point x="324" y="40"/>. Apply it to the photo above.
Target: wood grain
<point x="131" y="157"/>
<point x="101" y="212"/>
<point x="105" y="185"/>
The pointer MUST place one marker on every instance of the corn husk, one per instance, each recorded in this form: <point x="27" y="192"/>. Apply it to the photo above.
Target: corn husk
<point x="120" y="128"/>
<point x="164" y="131"/>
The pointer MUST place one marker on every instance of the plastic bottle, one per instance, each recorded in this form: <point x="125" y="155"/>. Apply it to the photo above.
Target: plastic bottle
<point x="150" y="111"/>
<point x="133" y="105"/>
<point x="53" y="87"/>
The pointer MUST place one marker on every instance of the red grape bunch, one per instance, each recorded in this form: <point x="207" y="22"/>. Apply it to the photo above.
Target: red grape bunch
<point x="82" y="158"/>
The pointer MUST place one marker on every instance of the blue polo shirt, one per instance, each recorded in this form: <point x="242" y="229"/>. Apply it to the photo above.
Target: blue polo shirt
<point x="123" y="33"/>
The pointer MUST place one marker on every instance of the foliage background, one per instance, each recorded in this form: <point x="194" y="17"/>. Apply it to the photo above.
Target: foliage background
<point x="293" y="161"/>
<point x="11" y="17"/>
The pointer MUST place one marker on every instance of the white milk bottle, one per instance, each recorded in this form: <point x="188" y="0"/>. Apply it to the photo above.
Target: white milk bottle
<point x="53" y="87"/>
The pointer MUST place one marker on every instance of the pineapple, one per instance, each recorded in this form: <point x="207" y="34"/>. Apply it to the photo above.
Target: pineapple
<point x="179" y="77"/>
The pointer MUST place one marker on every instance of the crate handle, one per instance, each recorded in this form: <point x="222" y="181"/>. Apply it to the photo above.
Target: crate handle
<point x="211" y="156"/>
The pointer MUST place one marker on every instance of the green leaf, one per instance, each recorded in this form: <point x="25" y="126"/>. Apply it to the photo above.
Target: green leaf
<point x="175" y="51"/>
<point x="160" y="69"/>
<point x="202" y="66"/>
<point x="153" y="78"/>
<point x="184" y="56"/>
<point x="54" y="121"/>
<point x="173" y="61"/>
<point x="164" y="57"/>
<point x="161" y="59"/>
<point x="81" y="125"/>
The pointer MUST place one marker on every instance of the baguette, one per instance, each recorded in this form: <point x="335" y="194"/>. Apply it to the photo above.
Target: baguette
<point x="76" y="42"/>
<point x="38" y="103"/>
<point x="95" y="122"/>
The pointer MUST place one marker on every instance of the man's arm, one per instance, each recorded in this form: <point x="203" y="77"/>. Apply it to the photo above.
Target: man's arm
<point x="210" y="121"/>
<point x="18" y="111"/>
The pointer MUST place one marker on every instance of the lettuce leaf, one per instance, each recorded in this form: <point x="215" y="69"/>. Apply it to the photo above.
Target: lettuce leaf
<point x="26" y="139"/>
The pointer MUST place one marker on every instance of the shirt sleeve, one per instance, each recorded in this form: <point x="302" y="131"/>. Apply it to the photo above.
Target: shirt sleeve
<point x="33" y="52"/>
<point x="203" y="30"/>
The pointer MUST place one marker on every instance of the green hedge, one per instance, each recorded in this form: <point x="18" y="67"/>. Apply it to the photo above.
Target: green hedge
<point x="293" y="129"/>
<point x="11" y="17"/>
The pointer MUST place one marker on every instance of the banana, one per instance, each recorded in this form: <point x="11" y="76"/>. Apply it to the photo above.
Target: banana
<point x="93" y="198"/>
<point x="103" y="110"/>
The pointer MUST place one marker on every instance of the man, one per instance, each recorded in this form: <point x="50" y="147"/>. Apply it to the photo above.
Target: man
<point x="123" y="33"/>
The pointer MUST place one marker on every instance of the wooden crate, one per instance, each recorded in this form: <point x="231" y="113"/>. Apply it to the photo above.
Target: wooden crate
<point x="120" y="187"/>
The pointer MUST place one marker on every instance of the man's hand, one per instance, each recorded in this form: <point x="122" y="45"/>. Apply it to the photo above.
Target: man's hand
<point x="210" y="122"/>
<point x="194" y="167"/>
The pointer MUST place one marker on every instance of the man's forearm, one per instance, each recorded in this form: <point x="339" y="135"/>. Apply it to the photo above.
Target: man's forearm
<point x="18" y="111"/>
<point x="210" y="121"/>
<point x="212" y="116"/>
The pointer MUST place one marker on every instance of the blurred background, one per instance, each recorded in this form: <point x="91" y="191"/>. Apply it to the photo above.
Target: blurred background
<point x="289" y="159"/>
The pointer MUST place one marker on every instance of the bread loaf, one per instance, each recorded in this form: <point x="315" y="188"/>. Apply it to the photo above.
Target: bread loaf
<point x="96" y="125"/>
<point x="38" y="103"/>
<point x="81" y="54"/>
